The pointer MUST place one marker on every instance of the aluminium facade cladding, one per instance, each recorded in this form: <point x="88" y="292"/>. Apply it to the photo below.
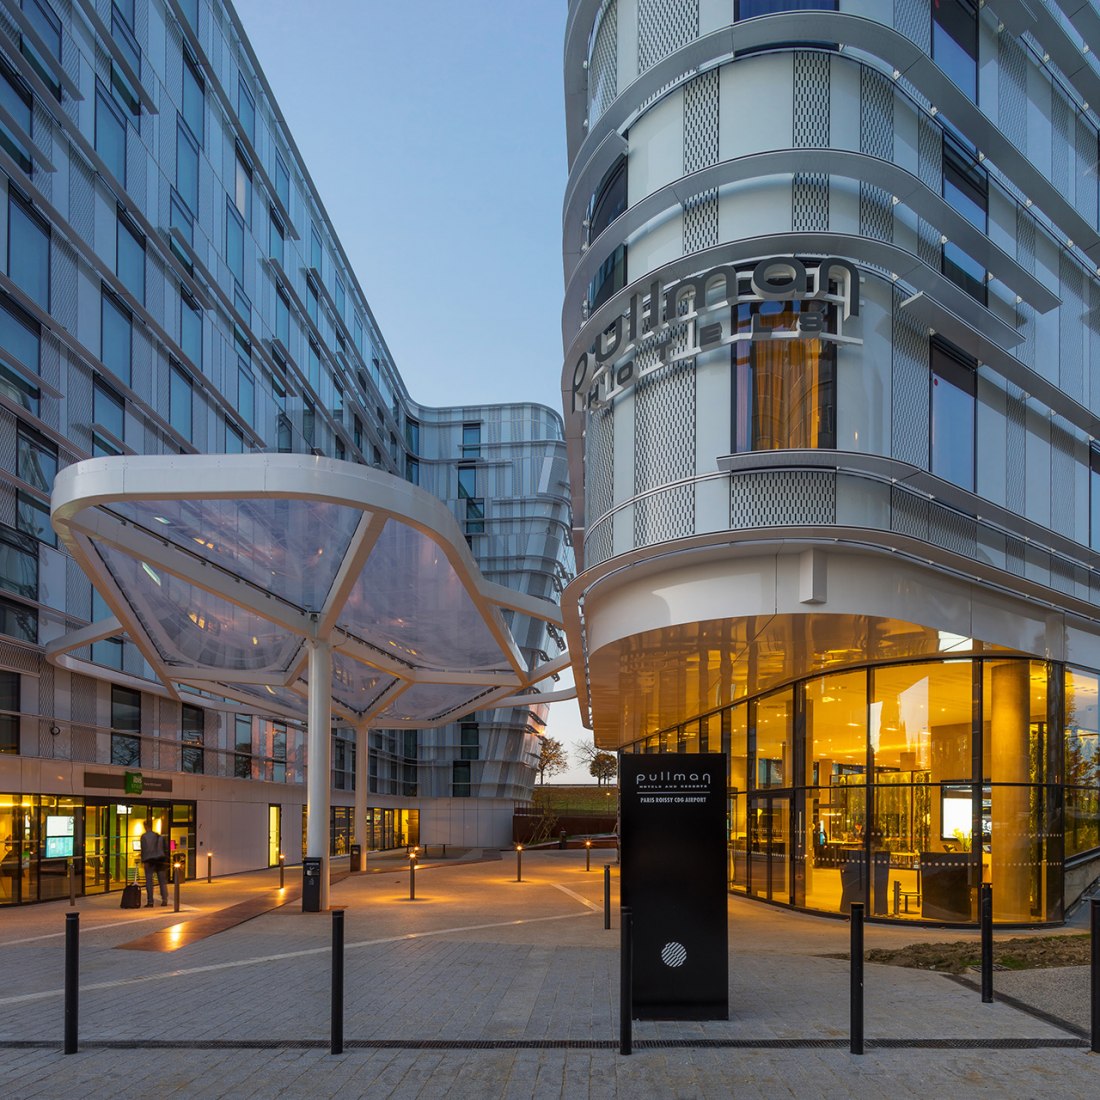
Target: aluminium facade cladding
<point x="832" y="391"/>
<point x="171" y="283"/>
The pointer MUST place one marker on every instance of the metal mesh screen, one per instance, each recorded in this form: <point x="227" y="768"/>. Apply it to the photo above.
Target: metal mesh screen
<point x="909" y="371"/>
<point x="783" y="498"/>
<point x="603" y="66"/>
<point x="663" y="27"/>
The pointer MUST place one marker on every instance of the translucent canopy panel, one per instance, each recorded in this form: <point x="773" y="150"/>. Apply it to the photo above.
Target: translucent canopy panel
<point x="426" y="702"/>
<point x="357" y="686"/>
<point x="194" y="628"/>
<point x="266" y="696"/>
<point x="290" y="547"/>
<point x="409" y="602"/>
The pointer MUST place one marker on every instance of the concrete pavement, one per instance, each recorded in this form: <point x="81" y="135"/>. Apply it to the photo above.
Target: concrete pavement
<point x="487" y="987"/>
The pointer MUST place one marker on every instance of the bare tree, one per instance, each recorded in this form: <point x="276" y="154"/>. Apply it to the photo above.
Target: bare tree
<point x="586" y="751"/>
<point x="553" y="759"/>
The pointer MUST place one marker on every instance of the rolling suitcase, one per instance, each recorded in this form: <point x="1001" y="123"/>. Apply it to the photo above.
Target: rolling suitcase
<point x="131" y="896"/>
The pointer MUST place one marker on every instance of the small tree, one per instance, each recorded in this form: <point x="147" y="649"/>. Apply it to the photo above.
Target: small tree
<point x="603" y="767"/>
<point x="586" y="751"/>
<point x="553" y="759"/>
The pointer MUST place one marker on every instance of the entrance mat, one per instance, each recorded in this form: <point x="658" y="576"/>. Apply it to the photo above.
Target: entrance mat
<point x="554" y="1044"/>
<point x="186" y="932"/>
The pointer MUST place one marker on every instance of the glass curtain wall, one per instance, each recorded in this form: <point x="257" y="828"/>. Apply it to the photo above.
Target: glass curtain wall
<point x="907" y="786"/>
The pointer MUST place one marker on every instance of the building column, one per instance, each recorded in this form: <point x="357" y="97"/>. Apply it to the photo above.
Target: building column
<point x="1012" y="842"/>
<point x="359" y="831"/>
<point x="319" y="761"/>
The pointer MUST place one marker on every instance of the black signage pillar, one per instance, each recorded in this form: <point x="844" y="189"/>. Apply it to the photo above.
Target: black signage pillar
<point x="673" y="878"/>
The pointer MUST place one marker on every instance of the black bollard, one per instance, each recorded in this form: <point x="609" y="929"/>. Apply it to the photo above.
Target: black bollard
<point x="607" y="895"/>
<point x="856" y="1043"/>
<point x="588" y="855"/>
<point x="626" y="985"/>
<point x="412" y="877"/>
<point x="986" y="917"/>
<point x="337" y="1046"/>
<point x="1094" y="913"/>
<point x="519" y="863"/>
<point x="282" y="871"/>
<point x="176" y="886"/>
<point x="72" y="978"/>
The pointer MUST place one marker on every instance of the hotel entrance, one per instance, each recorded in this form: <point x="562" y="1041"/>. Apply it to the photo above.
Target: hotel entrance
<point x="769" y="864"/>
<point x="112" y="840"/>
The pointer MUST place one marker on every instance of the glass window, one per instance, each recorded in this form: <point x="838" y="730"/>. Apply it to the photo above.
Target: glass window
<point x="284" y="433"/>
<point x="187" y="167"/>
<point x="110" y="134"/>
<point x="19" y="390"/>
<point x="954" y="389"/>
<point x="955" y="42"/>
<point x="108" y="412"/>
<point x="182" y="219"/>
<point x="116" y="336"/>
<point x="191" y="736"/>
<point x="9" y="712"/>
<point x="412" y="435"/>
<point x="609" y="278"/>
<point x="315" y="252"/>
<point x="311" y="301"/>
<point x="471" y="440"/>
<point x="243" y="304"/>
<point x="19" y="334"/>
<point x="32" y="517"/>
<point x="282" y="182"/>
<point x="234" y="243"/>
<point x="609" y="200"/>
<point x="1082" y="762"/>
<point x="234" y="439"/>
<point x="28" y="249"/>
<point x="1094" y="495"/>
<point x="339" y="297"/>
<point x="125" y="10"/>
<point x="966" y="189"/>
<point x="194" y="98"/>
<point x="309" y="423"/>
<point x="475" y="516"/>
<point x="784" y="390"/>
<point x="41" y="16"/>
<point x="412" y="470"/>
<point x="467" y="479"/>
<point x="313" y="368"/>
<point x="125" y="727"/>
<point x="469" y="740"/>
<point x="242" y="194"/>
<point x="36" y="461"/>
<point x="277" y="240"/>
<point x="357" y="333"/>
<point x="190" y="329"/>
<point x="460" y="779"/>
<point x="18" y="621"/>
<point x="246" y="393"/>
<point x="124" y="92"/>
<point x="246" y="109"/>
<point x="15" y="96"/>
<point x="130" y="257"/>
<point x="180" y="401"/>
<point x="282" y="317"/>
<point x="18" y="563"/>
<point x="774" y="723"/>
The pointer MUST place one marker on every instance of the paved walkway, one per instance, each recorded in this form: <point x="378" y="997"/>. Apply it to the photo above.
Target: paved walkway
<point x="486" y="987"/>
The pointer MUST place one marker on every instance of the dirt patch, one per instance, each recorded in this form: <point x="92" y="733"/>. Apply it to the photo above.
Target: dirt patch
<point x="1023" y="953"/>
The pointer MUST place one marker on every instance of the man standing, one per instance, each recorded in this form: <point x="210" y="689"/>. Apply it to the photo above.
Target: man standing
<point x="155" y="858"/>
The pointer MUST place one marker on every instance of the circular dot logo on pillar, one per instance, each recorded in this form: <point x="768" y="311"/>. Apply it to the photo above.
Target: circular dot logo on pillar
<point x="673" y="954"/>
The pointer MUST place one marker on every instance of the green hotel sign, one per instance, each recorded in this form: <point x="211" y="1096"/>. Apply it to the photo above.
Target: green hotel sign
<point x="132" y="783"/>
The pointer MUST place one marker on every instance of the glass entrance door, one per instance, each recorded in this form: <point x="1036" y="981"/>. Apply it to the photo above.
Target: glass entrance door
<point x="770" y="847"/>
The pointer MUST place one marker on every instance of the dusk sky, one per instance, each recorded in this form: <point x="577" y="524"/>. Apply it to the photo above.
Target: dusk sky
<point x="448" y="200"/>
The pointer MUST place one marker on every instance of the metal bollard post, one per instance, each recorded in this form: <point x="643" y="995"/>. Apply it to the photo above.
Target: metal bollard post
<point x="626" y="987"/>
<point x="986" y="916"/>
<point x="72" y="978"/>
<point x="176" y="886"/>
<point x="1094" y="914"/>
<point x="412" y="876"/>
<point x="337" y="1046"/>
<point x="72" y="883"/>
<point x="282" y="871"/>
<point x="519" y="863"/>
<point x="856" y="952"/>
<point x="209" y="867"/>
<point x="588" y="855"/>
<point x="607" y="895"/>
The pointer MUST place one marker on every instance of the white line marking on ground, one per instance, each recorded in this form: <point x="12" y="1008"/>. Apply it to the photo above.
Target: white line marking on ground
<point x="25" y="997"/>
<point x="565" y="890"/>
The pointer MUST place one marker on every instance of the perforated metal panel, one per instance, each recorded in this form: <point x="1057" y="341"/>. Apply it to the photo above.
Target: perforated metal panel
<point x="1014" y="555"/>
<point x="63" y="283"/>
<point x="78" y="390"/>
<point x="1012" y="90"/>
<point x="1085" y="173"/>
<point x="42" y="132"/>
<point x="810" y="129"/>
<point x="876" y="138"/>
<point x="154" y="291"/>
<point x="1071" y="363"/>
<point x="1015" y="450"/>
<point x="810" y="202"/>
<point x="17" y="658"/>
<point x="909" y="372"/>
<point x="701" y="221"/>
<point x="914" y="19"/>
<point x="80" y="199"/>
<point x="603" y="66"/>
<point x="137" y="170"/>
<point x="1061" y="160"/>
<point x="908" y="513"/>
<point x="1062" y="575"/>
<point x="701" y="122"/>
<point x="664" y="451"/>
<point x="782" y="498"/>
<point x="952" y="531"/>
<point x="49" y="359"/>
<point x="78" y="590"/>
<point x="930" y="170"/>
<point x="1062" y="469"/>
<point x="141" y="370"/>
<point x="8" y="456"/>
<point x="82" y="701"/>
<point x="599" y="481"/>
<point x="663" y="27"/>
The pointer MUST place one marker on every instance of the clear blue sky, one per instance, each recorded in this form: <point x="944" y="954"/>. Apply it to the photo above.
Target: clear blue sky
<point x="435" y="134"/>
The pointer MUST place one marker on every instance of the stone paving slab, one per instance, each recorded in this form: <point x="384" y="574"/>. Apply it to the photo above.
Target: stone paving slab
<point x="480" y="958"/>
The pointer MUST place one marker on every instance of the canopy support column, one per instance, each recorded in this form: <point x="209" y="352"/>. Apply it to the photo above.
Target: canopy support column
<point x="319" y="761"/>
<point x="362" y="835"/>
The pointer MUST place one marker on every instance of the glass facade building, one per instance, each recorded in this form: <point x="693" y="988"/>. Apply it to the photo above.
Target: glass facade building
<point x="831" y="396"/>
<point x="171" y="284"/>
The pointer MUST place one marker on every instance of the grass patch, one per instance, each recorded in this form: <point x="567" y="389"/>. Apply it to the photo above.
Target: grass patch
<point x="589" y="798"/>
<point x="1022" y="953"/>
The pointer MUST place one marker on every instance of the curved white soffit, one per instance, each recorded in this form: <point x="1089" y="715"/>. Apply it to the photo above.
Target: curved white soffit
<point x="223" y="568"/>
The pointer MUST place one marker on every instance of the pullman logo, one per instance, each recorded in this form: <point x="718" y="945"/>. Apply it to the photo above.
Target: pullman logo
<point x="674" y="954"/>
